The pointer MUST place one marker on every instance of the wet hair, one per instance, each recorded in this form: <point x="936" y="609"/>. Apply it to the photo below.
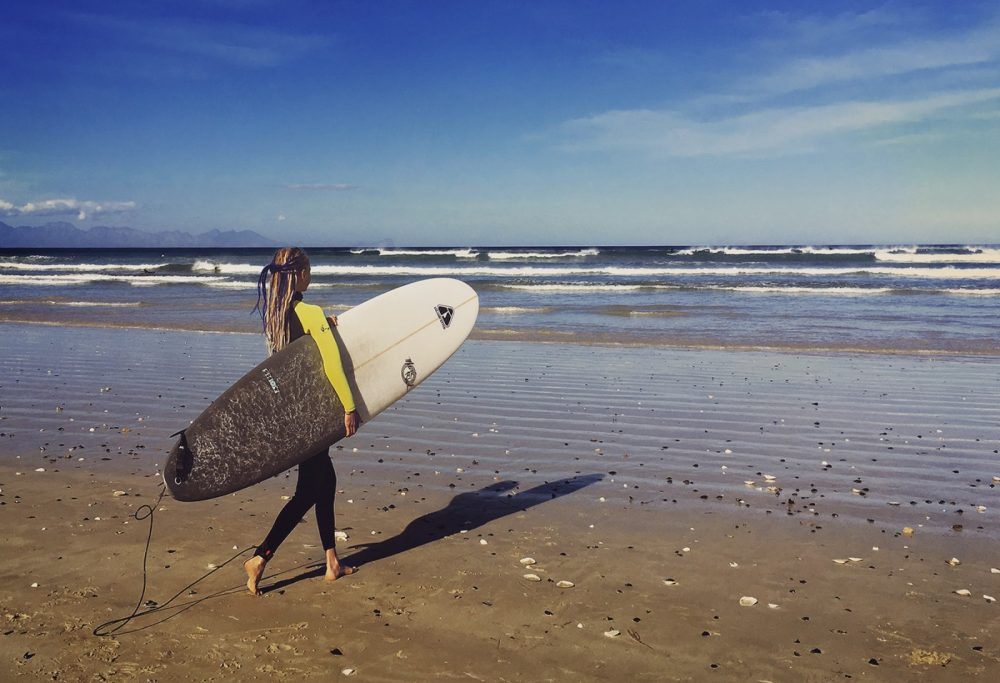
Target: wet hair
<point x="276" y="289"/>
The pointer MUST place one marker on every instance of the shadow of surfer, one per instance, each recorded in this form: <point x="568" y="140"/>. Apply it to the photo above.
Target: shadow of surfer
<point x="465" y="512"/>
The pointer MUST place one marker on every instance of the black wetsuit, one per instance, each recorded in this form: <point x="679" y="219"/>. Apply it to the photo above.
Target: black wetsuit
<point x="316" y="485"/>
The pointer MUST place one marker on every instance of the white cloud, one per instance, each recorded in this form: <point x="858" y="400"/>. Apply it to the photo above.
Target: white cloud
<point x="828" y="69"/>
<point x="340" y="187"/>
<point x="229" y="43"/>
<point x="764" y="132"/>
<point x="981" y="46"/>
<point x="64" y="207"/>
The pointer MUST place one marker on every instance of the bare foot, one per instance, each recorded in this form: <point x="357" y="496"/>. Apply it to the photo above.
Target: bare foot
<point x="334" y="570"/>
<point x="334" y="573"/>
<point x="255" y="569"/>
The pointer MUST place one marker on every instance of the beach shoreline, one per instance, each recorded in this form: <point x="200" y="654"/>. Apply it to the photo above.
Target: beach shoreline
<point x="620" y="470"/>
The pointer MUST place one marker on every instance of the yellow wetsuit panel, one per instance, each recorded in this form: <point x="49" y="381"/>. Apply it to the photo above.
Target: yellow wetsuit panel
<point x="315" y="324"/>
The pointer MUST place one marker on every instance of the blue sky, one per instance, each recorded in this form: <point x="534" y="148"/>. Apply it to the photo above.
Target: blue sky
<point x="544" y="122"/>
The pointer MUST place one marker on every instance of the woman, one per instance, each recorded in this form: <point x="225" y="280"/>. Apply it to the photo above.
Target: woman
<point x="286" y="317"/>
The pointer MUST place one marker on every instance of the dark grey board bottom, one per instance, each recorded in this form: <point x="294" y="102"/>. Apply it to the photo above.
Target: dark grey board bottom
<point x="277" y="415"/>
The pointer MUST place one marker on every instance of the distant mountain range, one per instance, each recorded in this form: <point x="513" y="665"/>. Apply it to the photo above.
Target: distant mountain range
<point x="66" y="235"/>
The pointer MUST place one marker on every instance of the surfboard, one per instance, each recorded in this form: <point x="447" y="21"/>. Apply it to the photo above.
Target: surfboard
<point x="284" y="410"/>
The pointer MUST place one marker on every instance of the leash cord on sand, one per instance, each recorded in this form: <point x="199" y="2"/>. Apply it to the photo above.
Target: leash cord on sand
<point x="140" y="514"/>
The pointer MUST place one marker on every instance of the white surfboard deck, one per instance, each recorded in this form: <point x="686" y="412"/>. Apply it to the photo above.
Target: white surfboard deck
<point x="392" y="343"/>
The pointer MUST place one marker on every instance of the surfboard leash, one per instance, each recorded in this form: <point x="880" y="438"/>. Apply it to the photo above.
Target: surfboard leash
<point x="141" y="513"/>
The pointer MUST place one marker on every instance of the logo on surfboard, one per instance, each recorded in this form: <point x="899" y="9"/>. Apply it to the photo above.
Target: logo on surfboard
<point x="273" y="383"/>
<point x="409" y="373"/>
<point x="445" y="314"/>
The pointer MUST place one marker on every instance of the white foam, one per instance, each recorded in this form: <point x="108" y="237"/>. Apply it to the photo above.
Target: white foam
<point x="201" y="264"/>
<point x="95" y="304"/>
<point x="579" y="288"/>
<point x="513" y="310"/>
<point x="973" y="292"/>
<point x="459" y="253"/>
<point x="85" y="278"/>
<point x="821" y="291"/>
<point x="971" y="255"/>
<point x="770" y="251"/>
<point x="527" y="255"/>
<point x="82" y="267"/>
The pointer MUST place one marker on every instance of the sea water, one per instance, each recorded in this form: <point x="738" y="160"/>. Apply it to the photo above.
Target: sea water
<point x="919" y="298"/>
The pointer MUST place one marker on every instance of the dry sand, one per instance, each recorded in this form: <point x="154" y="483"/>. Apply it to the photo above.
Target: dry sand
<point x="622" y="471"/>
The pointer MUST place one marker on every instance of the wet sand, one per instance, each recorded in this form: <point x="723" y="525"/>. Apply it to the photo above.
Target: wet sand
<point x="622" y="471"/>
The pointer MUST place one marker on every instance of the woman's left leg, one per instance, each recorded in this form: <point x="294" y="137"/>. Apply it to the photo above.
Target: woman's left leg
<point x="315" y="480"/>
<point x="321" y="471"/>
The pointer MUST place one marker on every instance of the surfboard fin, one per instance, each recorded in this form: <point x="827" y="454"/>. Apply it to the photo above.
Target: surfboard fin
<point x="184" y="458"/>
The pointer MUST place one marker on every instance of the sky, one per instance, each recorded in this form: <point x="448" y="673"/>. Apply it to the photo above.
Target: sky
<point x="545" y="122"/>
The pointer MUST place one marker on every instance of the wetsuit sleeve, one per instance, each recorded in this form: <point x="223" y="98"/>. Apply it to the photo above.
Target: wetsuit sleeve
<point x="315" y="324"/>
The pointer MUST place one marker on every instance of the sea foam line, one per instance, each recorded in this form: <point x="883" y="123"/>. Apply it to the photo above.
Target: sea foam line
<point x="82" y="267"/>
<point x="973" y="255"/>
<point x="766" y="251"/>
<point x="656" y="273"/>
<point x="85" y="278"/>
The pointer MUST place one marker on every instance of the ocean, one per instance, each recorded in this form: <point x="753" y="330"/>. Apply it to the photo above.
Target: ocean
<point x="912" y="299"/>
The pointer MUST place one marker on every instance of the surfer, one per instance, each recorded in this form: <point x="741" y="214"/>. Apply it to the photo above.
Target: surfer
<point x="287" y="317"/>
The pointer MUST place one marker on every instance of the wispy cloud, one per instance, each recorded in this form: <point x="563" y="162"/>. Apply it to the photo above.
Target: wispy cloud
<point x="226" y="43"/>
<point x="765" y="132"/>
<point x="824" y="73"/>
<point x="65" y="207"/>
<point x="903" y="57"/>
<point x="337" y="187"/>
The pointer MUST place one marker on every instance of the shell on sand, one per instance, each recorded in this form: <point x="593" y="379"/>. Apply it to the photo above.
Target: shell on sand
<point x="613" y="633"/>
<point x="565" y="584"/>
<point x="532" y="577"/>
<point x="964" y="592"/>
<point x="527" y="560"/>
<point x="747" y="601"/>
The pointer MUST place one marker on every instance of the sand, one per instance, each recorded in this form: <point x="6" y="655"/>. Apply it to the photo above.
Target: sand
<point x="622" y="471"/>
